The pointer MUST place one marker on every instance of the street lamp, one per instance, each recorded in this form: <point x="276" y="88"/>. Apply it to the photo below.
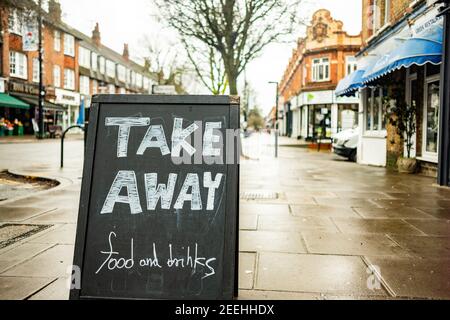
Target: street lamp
<point x="276" y="117"/>
<point x="41" y="84"/>
<point x="444" y="154"/>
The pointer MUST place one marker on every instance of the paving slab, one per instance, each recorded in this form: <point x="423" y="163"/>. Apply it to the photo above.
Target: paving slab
<point x="418" y="278"/>
<point x="432" y="227"/>
<point x="19" y="288"/>
<point x="414" y="203"/>
<point x="59" y="216"/>
<point x="322" y="211"/>
<point x="275" y="223"/>
<point x="57" y="290"/>
<point x="349" y="203"/>
<point x="52" y="263"/>
<point x="382" y="226"/>
<point x="22" y="213"/>
<point x="437" y="213"/>
<point x="277" y="295"/>
<point x="313" y="273"/>
<point x="394" y="213"/>
<point x="248" y="222"/>
<point x="247" y="270"/>
<point x="426" y="247"/>
<point x="262" y="209"/>
<point x="264" y="241"/>
<point x="351" y="244"/>
<point x="19" y="254"/>
<point x="63" y="234"/>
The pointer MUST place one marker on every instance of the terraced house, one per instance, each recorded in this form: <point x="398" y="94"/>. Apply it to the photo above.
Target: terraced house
<point x="399" y="69"/>
<point x="75" y="67"/>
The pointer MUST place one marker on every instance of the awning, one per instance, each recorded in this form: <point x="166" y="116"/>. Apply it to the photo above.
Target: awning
<point x="33" y="100"/>
<point x="10" y="102"/>
<point x="418" y="50"/>
<point x="351" y="83"/>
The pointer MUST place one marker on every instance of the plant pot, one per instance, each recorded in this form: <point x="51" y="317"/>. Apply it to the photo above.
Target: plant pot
<point x="407" y="165"/>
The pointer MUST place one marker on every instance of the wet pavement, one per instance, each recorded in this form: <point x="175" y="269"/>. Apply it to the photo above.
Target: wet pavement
<point x="313" y="226"/>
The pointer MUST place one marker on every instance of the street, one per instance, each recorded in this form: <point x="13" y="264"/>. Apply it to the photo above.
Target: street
<point x="313" y="226"/>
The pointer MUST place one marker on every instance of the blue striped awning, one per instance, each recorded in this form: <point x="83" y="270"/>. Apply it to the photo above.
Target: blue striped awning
<point x="418" y="50"/>
<point x="350" y="84"/>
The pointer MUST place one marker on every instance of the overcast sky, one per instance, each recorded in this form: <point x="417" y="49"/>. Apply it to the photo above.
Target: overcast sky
<point x="130" y="21"/>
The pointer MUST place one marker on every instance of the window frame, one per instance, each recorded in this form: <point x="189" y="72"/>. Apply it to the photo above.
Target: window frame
<point x="427" y="155"/>
<point x="84" y="56"/>
<point x="316" y="65"/>
<point x="110" y="69"/>
<point x="57" y="70"/>
<point x="352" y="64"/>
<point x="368" y="110"/>
<point x="69" y="85"/>
<point x="85" y="85"/>
<point x="14" y="56"/>
<point x="57" y="40"/>
<point x="17" y="27"/>
<point x="69" y="46"/>
<point x="35" y="70"/>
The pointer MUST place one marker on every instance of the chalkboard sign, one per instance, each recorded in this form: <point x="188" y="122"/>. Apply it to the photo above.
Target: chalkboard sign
<point x="158" y="214"/>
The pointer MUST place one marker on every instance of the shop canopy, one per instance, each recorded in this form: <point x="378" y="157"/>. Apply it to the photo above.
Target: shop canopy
<point x="351" y="83"/>
<point x="33" y="100"/>
<point x="10" y="102"/>
<point x="417" y="50"/>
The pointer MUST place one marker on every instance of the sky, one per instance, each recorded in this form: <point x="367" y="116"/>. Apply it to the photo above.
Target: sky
<point x="132" y="20"/>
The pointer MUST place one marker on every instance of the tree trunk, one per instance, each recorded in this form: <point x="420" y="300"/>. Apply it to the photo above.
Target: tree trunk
<point x="233" y="84"/>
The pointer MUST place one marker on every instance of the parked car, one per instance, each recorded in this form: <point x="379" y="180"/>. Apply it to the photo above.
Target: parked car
<point x="345" y="144"/>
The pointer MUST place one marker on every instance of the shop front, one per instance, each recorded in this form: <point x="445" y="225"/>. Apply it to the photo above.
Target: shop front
<point x="71" y="102"/>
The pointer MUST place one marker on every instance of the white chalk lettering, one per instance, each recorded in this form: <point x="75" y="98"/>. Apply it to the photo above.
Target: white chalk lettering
<point x="192" y="181"/>
<point x="154" y="132"/>
<point x="162" y="192"/>
<point x="212" y="186"/>
<point x="125" y="125"/>
<point x="179" y="137"/>
<point x="114" y="263"/>
<point x="124" y="179"/>
<point x="210" y="138"/>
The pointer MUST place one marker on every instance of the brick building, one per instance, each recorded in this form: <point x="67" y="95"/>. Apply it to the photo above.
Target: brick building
<point x="399" y="64"/>
<point x="75" y="67"/>
<point x="323" y="57"/>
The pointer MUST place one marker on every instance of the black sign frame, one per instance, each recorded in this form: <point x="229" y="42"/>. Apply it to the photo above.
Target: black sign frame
<point x="230" y="283"/>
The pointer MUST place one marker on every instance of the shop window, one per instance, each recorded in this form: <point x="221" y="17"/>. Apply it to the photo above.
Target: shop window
<point x="347" y="117"/>
<point x="431" y="117"/>
<point x="35" y="70"/>
<point x="375" y="110"/>
<point x="321" y="69"/>
<point x="69" y="79"/>
<point x="69" y="45"/>
<point x="18" y="65"/>
<point x="56" y="76"/>
<point x="57" y="41"/>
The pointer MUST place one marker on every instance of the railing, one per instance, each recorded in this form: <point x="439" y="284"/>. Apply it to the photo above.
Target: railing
<point x="64" y="136"/>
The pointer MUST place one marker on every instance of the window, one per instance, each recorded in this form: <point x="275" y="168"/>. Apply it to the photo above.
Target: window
<point x="375" y="110"/>
<point x="85" y="58"/>
<point x="69" y="45"/>
<point x="146" y="83"/>
<point x="18" y="65"/>
<point x="35" y="70"/>
<point x="111" y="89"/>
<point x="15" y="22"/>
<point x="431" y="117"/>
<point x="57" y="41"/>
<point x="69" y="79"/>
<point x="94" y="61"/>
<point x="110" y="69"/>
<point x="128" y="75"/>
<point x="57" y="76"/>
<point x="133" y="78"/>
<point x="350" y="65"/>
<point x="139" y="80"/>
<point x="121" y="73"/>
<point x="84" y="85"/>
<point x="321" y="69"/>
<point x="380" y="14"/>
<point x="94" y="87"/>
<point x="102" y="65"/>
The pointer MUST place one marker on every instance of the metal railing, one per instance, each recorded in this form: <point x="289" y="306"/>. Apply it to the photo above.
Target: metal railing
<point x="64" y="136"/>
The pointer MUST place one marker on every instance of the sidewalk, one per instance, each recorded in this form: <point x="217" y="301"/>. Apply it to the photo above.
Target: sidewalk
<point x="313" y="226"/>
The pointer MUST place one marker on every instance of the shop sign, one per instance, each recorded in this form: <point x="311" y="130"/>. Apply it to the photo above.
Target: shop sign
<point x="23" y="87"/>
<point x="30" y="36"/>
<point x="64" y="97"/>
<point x="425" y="22"/>
<point x="317" y="97"/>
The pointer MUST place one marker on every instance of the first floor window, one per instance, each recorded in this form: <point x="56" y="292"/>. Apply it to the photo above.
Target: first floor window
<point x="35" y="70"/>
<point x="375" y="110"/>
<point x="94" y="87"/>
<point x="69" y="45"/>
<point x="57" y="41"/>
<point x="321" y="69"/>
<point x="84" y="85"/>
<point x="350" y="65"/>
<point x="432" y="117"/>
<point x="57" y="76"/>
<point x="18" y="65"/>
<point x="69" y="79"/>
<point x="15" y="22"/>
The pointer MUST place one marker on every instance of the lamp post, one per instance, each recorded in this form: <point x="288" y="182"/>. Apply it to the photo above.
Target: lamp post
<point x="41" y="84"/>
<point x="444" y="148"/>
<point x="276" y="117"/>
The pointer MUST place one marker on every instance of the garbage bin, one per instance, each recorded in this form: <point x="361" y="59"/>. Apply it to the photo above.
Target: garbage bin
<point x="2" y="131"/>
<point x="20" y="131"/>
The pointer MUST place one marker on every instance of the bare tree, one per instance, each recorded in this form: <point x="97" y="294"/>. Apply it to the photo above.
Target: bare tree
<point x="238" y="30"/>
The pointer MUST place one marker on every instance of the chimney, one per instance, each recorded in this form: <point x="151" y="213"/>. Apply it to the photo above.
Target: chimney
<point x="147" y="64"/>
<point x="126" y="52"/>
<point x="54" y="10"/>
<point x="96" y="35"/>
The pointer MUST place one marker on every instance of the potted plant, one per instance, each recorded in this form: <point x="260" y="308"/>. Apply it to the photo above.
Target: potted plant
<point x="404" y="119"/>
